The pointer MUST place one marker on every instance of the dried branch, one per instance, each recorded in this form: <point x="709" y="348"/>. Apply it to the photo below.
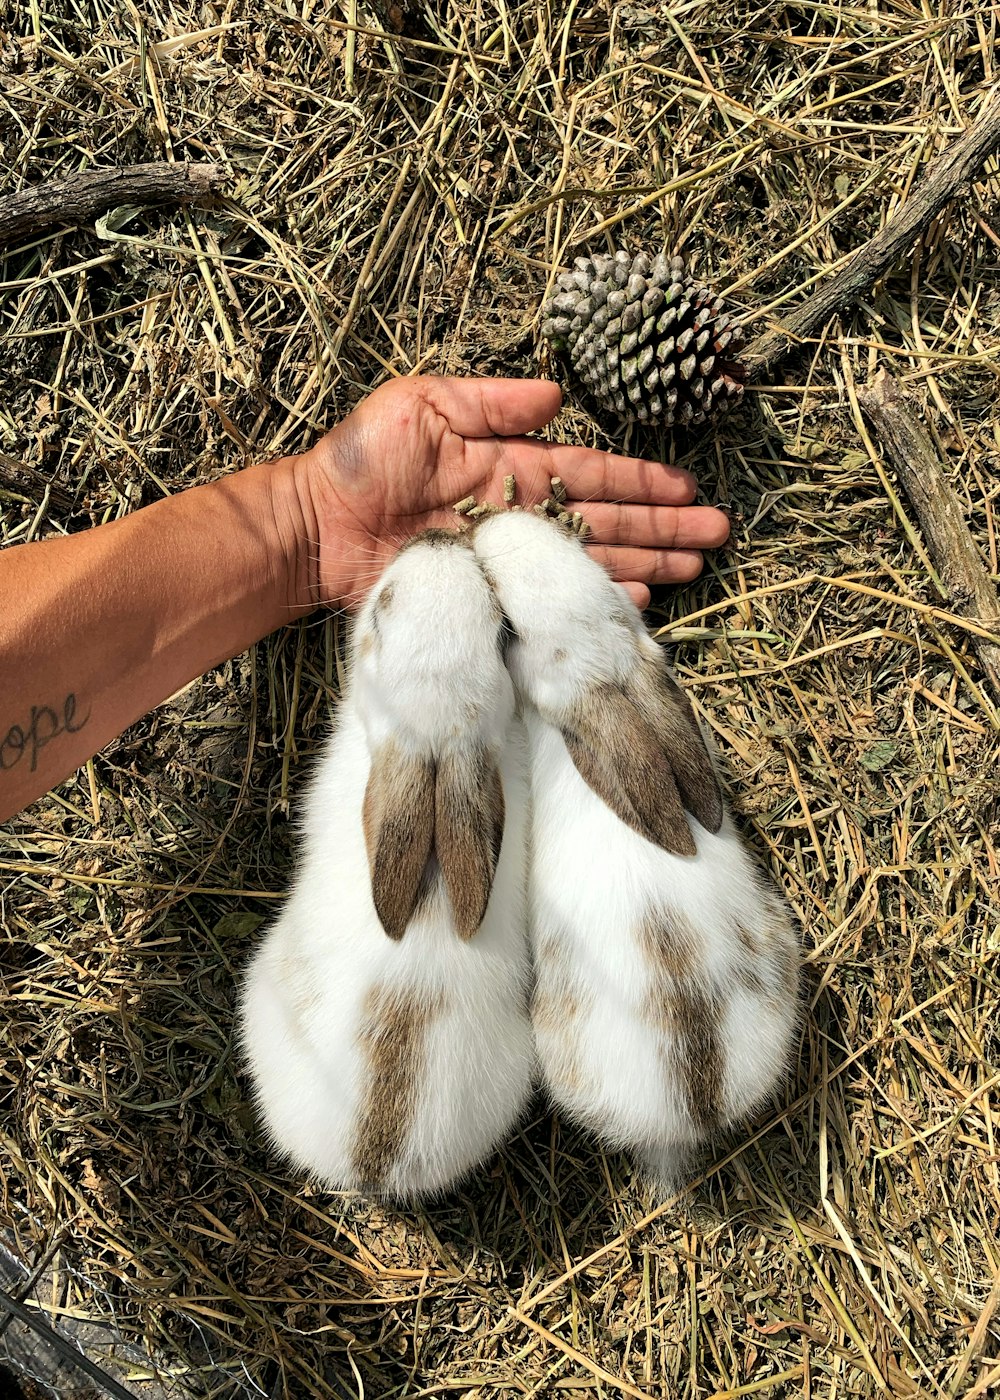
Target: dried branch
<point x="31" y="484"/>
<point x="80" y="197"/>
<point x="954" y="168"/>
<point x="908" y="446"/>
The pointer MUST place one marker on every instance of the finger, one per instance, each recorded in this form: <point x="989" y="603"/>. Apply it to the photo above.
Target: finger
<point x="591" y="475"/>
<point x="656" y="527"/>
<point x="639" y="594"/>
<point x="649" y="566"/>
<point x="479" y="408"/>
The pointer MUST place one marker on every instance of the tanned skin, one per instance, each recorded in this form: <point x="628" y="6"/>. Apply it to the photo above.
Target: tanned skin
<point x="99" y="627"/>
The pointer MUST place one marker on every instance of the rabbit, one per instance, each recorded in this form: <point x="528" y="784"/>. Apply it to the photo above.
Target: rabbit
<point x="384" y="1017"/>
<point x="666" y="964"/>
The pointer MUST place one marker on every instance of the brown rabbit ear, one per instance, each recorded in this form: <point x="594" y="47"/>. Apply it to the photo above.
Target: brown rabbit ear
<point x="619" y="755"/>
<point x="398" y="820"/>
<point x="665" y="706"/>
<point x="468" y="831"/>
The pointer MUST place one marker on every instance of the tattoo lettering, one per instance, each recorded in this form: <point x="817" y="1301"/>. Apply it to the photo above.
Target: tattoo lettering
<point x="43" y="725"/>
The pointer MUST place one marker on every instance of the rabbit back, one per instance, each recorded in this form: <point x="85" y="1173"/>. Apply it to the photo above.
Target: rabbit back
<point x="665" y="986"/>
<point x="389" y="1066"/>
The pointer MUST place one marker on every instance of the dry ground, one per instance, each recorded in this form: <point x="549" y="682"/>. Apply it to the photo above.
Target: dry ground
<point x="402" y="192"/>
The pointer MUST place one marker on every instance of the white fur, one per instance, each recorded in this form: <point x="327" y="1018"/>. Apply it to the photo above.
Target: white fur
<point x="433" y="678"/>
<point x="594" y="882"/>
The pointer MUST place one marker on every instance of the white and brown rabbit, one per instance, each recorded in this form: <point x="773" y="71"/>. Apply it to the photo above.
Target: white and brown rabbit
<point x="385" y="1015"/>
<point x="666" y="965"/>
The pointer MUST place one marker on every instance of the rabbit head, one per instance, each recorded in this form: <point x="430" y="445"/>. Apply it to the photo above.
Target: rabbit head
<point x="580" y="654"/>
<point x="429" y="682"/>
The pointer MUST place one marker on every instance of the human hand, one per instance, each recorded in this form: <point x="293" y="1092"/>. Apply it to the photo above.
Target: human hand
<point x="415" y="446"/>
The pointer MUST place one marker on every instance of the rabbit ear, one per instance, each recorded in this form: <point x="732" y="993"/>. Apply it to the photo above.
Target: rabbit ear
<point x="398" y="819"/>
<point x="468" y="830"/>
<point x="639" y="747"/>
<point x="618" y="754"/>
<point x="665" y="706"/>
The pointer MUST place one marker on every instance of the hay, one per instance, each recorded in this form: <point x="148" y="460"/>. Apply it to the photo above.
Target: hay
<point x="406" y="181"/>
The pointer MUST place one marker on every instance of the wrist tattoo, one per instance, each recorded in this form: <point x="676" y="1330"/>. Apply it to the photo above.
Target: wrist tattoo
<point x="26" y="741"/>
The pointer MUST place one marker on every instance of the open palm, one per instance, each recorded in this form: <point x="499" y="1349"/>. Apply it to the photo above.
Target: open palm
<point x="414" y="447"/>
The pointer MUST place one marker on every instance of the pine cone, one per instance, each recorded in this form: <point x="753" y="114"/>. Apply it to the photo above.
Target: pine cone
<point x="648" y="340"/>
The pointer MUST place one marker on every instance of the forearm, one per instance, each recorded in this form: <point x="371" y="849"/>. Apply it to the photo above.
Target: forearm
<point x="97" y="628"/>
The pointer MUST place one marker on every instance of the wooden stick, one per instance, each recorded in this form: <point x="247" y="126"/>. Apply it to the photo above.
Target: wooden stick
<point x="77" y="199"/>
<point x="954" y="169"/>
<point x="906" y="443"/>
<point x="31" y="484"/>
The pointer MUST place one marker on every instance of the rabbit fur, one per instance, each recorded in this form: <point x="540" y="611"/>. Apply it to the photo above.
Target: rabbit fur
<point x="666" y="964"/>
<point x="384" y="1017"/>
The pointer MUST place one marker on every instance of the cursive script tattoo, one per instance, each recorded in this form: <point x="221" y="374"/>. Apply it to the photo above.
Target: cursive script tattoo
<point x="44" y="724"/>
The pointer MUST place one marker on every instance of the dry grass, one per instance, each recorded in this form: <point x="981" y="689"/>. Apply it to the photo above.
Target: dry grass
<point x="400" y="202"/>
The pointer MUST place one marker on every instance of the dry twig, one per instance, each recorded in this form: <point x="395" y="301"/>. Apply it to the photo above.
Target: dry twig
<point x="78" y="198"/>
<point x="908" y="446"/>
<point x="952" y="171"/>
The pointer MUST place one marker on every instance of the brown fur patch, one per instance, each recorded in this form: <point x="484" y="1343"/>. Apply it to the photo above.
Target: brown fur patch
<point x="398" y="820"/>
<point x="468" y="832"/>
<point x="701" y="1056"/>
<point x="686" y="1014"/>
<point x="552" y="1012"/>
<point x="393" y="1038"/>
<point x="669" y="943"/>
<point x="384" y="600"/>
<point x="366" y="645"/>
<point x="665" y="707"/>
<point x="619" y="756"/>
<point x="556" y="1009"/>
<point x="749" y="977"/>
<point x="773" y="950"/>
